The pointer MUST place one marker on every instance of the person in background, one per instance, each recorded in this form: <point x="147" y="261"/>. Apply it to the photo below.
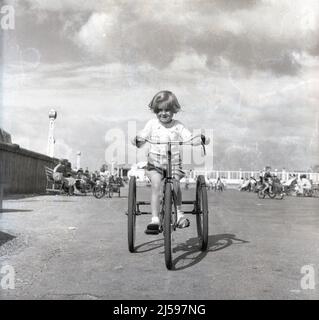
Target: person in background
<point x="104" y="173"/>
<point x="62" y="172"/>
<point x="267" y="180"/>
<point x="87" y="173"/>
<point x="79" y="173"/>
<point x="224" y="182"/>
<point x="253" y="184"/>
<point x="244" y="184"/>
<point x="261" y="176"/>
<point x="304" y="185"/>
<point x="211" y="183"/>
<point x="219" y="184"/>
<point x="111" y="179"/>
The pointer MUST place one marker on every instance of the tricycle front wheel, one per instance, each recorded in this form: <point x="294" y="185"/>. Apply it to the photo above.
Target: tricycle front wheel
<point x="167" y="228"/>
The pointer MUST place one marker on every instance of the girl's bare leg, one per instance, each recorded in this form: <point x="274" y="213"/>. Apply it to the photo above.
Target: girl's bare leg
<point x="178" y="191"/>
<point x="182" y="221"/>
<point x="156" y="181"/>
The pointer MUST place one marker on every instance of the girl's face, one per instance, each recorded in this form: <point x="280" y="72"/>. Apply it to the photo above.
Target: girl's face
<point x="164" y="115"/>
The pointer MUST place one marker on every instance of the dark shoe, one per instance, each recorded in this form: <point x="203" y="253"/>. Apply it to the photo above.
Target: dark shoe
<point x="152" y="228"/>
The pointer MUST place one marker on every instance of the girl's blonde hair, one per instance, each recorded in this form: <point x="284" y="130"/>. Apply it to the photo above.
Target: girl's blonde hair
<point x="165" y="99"/>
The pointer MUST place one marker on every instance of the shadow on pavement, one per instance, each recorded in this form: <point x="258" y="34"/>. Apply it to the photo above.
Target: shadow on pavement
<point x="5" y="237"/>
<point x="21" y="196"/>
<point x="28" y="197"/>
<point x="191" y="247"/>
<point x="59" y="201"/>
<point x="46" y="201"/>
<point x="152" y="244"/>
<point x="14" y="210"/>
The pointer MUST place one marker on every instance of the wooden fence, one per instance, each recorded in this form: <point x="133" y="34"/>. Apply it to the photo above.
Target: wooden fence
<point x="22" y="171"/>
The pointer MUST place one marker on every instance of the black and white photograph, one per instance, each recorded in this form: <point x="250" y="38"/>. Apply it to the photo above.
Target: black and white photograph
<point x="160" y="151"/>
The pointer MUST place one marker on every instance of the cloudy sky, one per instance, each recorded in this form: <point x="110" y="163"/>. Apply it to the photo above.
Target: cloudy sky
<point x="246" y="69"/>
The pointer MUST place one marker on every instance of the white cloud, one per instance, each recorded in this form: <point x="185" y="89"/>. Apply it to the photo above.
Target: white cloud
<point x="63" y="149"/>
<point x="94" y="35"/>
<point x="188" y="61"/>
<point x="246" y="71"/>
<point x="68" y="5"/>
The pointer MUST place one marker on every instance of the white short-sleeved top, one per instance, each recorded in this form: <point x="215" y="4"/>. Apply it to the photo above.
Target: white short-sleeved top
<point x="305" y="183"/>
<point x="156" y="131"/>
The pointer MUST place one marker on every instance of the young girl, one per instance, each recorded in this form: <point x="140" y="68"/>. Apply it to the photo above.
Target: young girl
<point x="163" y="129"/>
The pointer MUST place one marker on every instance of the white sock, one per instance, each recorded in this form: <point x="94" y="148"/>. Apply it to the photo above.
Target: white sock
<point x="155" y="220"/>
<point x="180" y="214"/>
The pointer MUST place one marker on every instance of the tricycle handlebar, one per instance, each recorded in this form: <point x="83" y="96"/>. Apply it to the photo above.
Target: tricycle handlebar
<point x="173" y="142"/>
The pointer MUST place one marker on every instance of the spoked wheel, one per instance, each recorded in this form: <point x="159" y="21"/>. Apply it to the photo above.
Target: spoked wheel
<point x="71" y="191"/>
<point x="131" y="214"/>
<point x="272" y="195"/>
<point x="261" y="195"/>
<point x="110" y="191"/>
<point x="98" y="191"/>
<point x="167" y="227"/>
<point x="202" y="212"/>
<point x="88" y="188"/>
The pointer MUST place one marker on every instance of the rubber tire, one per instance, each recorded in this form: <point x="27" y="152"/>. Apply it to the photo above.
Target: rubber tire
<point x="271" y="195"/>
<point x="261" y="195"/>
<point x="167" y="227"/>
<point x="71" y="191"/>
<point x="131" y="214"/>
<point x="88" y="188"/>
<point x="110" y="192"/>
<point x="98" y="192"/>
<point x="202" y="212"/>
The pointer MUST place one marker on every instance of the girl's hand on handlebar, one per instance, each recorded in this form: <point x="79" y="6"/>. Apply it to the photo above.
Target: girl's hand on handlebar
<point x="205" y="140"/>
<point x="200" y="140"/>
<point x="138" y="141"/>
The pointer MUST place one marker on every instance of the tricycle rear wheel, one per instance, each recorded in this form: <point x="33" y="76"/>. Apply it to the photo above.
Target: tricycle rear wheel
<point x="261" y="194"/>
<point x="202" y="212"/>
<point x="131" y="214"/>
<point x="98" y="191"/>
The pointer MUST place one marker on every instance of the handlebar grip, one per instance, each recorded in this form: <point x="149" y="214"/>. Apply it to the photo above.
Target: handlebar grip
<point x="204" y="149"/>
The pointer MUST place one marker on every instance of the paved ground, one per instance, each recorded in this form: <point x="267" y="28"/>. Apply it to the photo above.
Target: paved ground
<point x="76" y="248"/>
